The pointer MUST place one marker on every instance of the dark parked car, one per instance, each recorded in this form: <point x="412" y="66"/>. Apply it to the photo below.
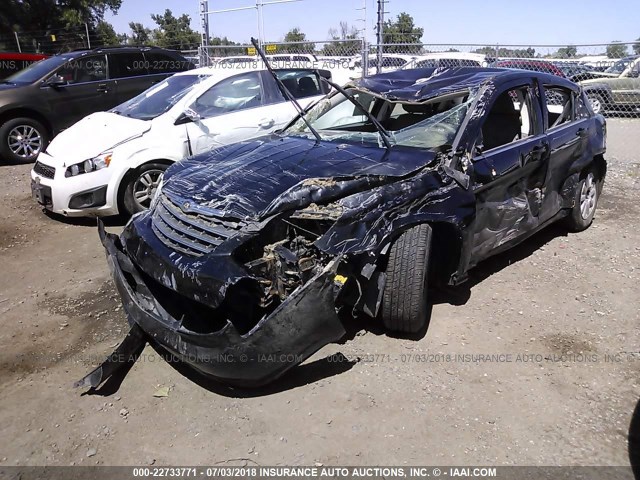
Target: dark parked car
<point x="248" y="251"/>
<point x="48" y="96"/>
<point x="532" y="65"/>
<point x="11" y="63"/>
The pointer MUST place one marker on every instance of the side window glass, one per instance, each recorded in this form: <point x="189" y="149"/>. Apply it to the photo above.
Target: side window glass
<point x="85" y="69"/>
<point x="123" y="65"/>
<point x="509" y="119"/>
<point x="559" y="106"/>
<point x="230" y="95"/>
<point x="301" y="83"/>
<point x="162" y="63"/>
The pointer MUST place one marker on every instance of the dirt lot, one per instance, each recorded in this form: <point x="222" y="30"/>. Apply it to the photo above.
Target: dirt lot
<point x="559" y="315"/>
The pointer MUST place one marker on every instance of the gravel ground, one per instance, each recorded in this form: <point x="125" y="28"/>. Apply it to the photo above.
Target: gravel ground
<point x="534" y="362"/>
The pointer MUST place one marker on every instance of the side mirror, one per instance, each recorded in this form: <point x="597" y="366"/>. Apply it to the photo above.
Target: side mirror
<point x="187" y="116"/>
<point x="55" y="81"/>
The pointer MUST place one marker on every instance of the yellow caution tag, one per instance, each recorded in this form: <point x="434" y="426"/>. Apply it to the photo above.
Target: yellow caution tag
<point x="340" y="279"/>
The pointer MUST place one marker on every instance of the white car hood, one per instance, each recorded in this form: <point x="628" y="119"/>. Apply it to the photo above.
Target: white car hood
<point x="93" y="135"/>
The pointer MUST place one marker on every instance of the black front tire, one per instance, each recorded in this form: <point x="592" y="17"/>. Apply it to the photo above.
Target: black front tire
<point x="404" y="303"/>
<point x="22" y="139"/>
<point x="129" y="204"/>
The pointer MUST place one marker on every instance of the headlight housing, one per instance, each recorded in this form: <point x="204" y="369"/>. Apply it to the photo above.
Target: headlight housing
<point x="92" y="164"/>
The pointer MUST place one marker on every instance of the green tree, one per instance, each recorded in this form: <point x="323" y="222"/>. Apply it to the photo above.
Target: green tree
<point x="569" y="51"/>
<point x="105" y="34"/>
<point x="636" y="47"/>
<point x="175" y="32"/>
<point x="220" y="43"/>
<point x="344" y="41"/>
<point x="402" y="31"/>
<point x="36" y="21"/>
<point x="298" y="39"/>
<point x="616" y="50"/>
<point x="140" y="35"/>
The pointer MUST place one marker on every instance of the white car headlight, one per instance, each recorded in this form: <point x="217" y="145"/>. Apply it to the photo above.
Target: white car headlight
<point x="91" y="165"/>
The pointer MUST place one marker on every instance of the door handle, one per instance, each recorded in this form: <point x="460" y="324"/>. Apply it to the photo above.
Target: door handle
<point x="102" y="88"/>
<point x="581" y="132"/>
<point x="266" y="123"/>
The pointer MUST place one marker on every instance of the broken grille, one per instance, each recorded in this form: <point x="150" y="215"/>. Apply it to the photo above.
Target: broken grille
<point x="191" y="233"/>
<point x="45" y="170"/>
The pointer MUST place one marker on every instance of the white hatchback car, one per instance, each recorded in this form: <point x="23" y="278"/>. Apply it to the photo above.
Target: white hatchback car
<point x="112" y="162"/>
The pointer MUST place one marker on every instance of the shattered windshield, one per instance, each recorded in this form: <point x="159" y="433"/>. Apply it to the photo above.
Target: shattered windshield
<point x="430" y="124"/>
<point x="158" y="99"/>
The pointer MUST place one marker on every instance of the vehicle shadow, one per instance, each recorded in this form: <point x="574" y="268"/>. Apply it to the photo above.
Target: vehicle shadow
<point x="461" y="294"/>
<point x="633" y="439"/>
<point x="112" y="221"/>
<point x="458" y="295"/>
<point x="298" y="376"/>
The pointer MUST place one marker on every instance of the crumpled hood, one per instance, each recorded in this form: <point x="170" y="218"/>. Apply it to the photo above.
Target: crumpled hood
<point x="262" y="177"/>
<point x="93" y="135"/>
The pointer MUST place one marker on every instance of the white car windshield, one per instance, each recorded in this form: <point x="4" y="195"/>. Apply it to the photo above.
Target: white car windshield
<point x="158" y="99"/>
<point x="430" y="124"/>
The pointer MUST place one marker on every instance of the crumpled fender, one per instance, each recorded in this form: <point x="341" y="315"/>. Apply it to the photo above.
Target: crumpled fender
<point x="305" y="322"/>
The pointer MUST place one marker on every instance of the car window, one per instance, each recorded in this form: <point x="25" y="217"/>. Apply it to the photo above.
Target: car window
<point x="233" y="94"/>
<point x="430" y="63"/>
<point x="92" y="68"/>
<point x="509" y="119"/>
<point x="159" y="98"/>
<point x="123" y="65"/>
<point x="301" y="83"/>
<point x="37" y="70"/>
<point x="158" y="62"/>
<point x="559" y="105"/>
<point x="427" y="125"/>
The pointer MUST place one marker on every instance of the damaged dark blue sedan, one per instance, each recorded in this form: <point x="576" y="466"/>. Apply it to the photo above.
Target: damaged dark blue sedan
<point x="394" y="183"/>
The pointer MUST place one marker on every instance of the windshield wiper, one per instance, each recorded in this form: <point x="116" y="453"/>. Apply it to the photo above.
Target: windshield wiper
<point x="284" y="89"/>
<point x="384" y="133"/>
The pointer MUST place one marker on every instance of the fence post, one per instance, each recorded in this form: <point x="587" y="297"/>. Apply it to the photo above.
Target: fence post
<point x="18" y="42"/>
<point x="86" y="29"/>
<point x="365" y="57"/>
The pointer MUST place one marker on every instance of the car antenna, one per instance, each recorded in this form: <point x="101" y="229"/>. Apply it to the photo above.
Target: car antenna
<point x="285" y="90"/>
<point x="384" y="133"/>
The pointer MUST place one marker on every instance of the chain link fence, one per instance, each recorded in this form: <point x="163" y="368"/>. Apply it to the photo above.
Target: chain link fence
<point x="608" y="72"/>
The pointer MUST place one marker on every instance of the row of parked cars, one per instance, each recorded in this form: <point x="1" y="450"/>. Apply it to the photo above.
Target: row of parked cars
<point x="264" y="202"/>
<point x="611" y="86"/>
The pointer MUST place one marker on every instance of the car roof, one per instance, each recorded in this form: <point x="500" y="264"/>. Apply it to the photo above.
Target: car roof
<point x="423" y="83"/>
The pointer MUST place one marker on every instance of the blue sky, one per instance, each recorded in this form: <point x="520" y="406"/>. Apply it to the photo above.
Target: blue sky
<point x="462" y="21"/>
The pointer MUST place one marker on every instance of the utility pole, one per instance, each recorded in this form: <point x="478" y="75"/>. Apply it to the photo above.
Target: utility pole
<point x="364" y="53"/>
<point x="204" y="24"/>
<point x="380" y="29"/>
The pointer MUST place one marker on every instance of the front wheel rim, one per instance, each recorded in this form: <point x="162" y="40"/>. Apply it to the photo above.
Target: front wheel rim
<point x="145" y="186"/>
<point x="588" y="197"/>
<point x="25" y="141"/>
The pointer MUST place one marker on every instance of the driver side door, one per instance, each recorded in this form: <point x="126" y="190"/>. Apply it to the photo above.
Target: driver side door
<point x="509" y="169"/>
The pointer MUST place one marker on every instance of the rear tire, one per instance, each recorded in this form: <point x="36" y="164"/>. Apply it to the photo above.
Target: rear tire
<point x="404" y="303"/>
<point x="141" y="185"/>
<point x="585" y="203"/>
<point x="22" y="140"/>
<point x="597" y="102"/>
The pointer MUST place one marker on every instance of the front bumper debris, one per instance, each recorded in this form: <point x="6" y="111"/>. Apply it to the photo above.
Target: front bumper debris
<point x="305" y="322"/>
